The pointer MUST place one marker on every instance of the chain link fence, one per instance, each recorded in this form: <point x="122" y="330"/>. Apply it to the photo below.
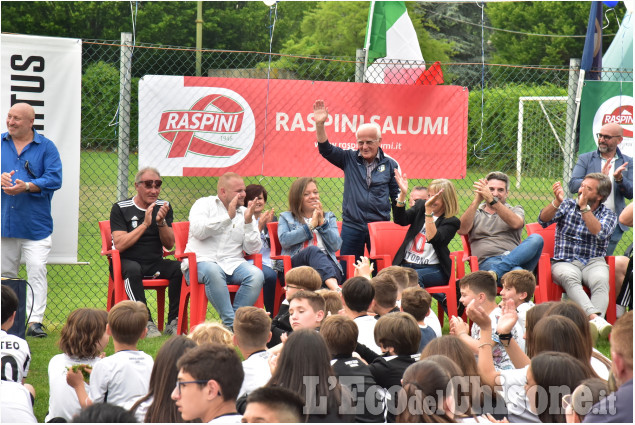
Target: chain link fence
<point x="495" y="94"/>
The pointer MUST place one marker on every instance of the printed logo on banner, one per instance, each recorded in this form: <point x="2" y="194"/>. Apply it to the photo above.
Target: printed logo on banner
<point x="216" y="126"/>
<point x="619" y="110"/>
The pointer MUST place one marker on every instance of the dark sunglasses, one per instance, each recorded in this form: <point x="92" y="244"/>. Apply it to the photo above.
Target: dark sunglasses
<point x="148" y="183"/>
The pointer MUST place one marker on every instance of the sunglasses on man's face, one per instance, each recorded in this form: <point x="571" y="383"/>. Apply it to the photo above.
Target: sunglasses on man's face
<point x="148" y="183"/>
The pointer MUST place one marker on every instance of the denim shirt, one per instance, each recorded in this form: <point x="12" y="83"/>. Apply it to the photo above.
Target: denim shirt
<point x="28" y="215"/>
<point x="292" y="235"/>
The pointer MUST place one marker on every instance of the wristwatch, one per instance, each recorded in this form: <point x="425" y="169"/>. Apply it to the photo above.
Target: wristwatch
<point x="494" y="201"/>
<point x="162" y="223"/>
<point x="505" y="338"/>
<point x="28" y="187"/>
<point x="585" y="209"/>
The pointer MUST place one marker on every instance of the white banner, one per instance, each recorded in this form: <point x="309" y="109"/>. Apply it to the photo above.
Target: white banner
<point x="46" y="72"/>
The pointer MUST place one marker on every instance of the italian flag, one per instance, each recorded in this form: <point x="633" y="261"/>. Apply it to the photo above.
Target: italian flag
<point x="392" y="44"/>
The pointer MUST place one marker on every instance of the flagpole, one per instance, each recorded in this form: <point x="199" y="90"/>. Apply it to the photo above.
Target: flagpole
<point x="368" y="32"/>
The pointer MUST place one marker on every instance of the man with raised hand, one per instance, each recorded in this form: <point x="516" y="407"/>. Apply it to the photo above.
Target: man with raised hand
<point x="370" y="188"/>
<point x="608" y="160"/>
<point x="221" y="229"/>
<point x="31" y="172"/>
<point x="141" y="228"/>
<point x="583" y="230"/>
<point x="494" y="229"/>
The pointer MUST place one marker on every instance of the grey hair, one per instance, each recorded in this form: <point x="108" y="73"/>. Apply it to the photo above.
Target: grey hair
<point x="367" y="125"/>
<point x="604" y="184"/>
<point x="499" y="175"/>
<point x="137" y="177"/>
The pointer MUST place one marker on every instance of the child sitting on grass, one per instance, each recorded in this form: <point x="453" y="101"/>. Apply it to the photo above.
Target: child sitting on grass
<point x="125" y="375"/>
<point x="211" y="332"/>
<point x="82" y="342"/>
<point x="519" y="286"/>
<point x="298" y="278"/>
<point x="416" y="302"/>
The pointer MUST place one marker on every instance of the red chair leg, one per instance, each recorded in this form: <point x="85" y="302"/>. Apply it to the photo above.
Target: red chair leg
<point x="160" y="308"/>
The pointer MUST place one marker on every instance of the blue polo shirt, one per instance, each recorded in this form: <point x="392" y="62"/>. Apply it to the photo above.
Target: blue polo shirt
<point x="28" y="215"/>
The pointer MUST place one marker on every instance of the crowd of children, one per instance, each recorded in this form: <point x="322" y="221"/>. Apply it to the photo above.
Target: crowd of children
<point x="372" y="353"/>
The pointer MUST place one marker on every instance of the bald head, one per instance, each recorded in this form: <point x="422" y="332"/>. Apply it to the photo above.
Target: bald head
<point x="611" y="136"/>
<point x="20" y="122"/>
<point x="612" y="129"/>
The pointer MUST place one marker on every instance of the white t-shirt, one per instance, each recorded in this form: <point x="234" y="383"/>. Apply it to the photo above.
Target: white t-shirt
<point x="15" y="403"/>
<point x="366" y="336"/>
<point x="16" y="357"/>
<point x="419" y="251"/>
<point x="63" y="401"/>
<point x="257" y="372"/>
<point x="513" y="383"/>
<point x="122" y="377"/>
<point x="522" y="313"/>
<point x="142" y="409"/>
<point x="501" y="358"/>
<point x="433" y="321"/>
<point x="233" y="418"/>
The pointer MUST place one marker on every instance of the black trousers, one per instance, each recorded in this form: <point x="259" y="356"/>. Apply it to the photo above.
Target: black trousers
<point x="134" y="272"/>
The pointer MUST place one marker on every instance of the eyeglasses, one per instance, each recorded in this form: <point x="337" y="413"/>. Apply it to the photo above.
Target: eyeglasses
<point x="293" y="286"/>
<point x="604" y="136"/>
<point x="28" y="170"/>
<point x="148" y="183"/>
<point x="179" y="383"/>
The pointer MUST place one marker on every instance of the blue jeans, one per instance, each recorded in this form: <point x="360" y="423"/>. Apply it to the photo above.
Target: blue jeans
<point x="314" y="257"/>
<point x="248" y="276"/>
<point x="353" y="241"/>
<point x="524" y="256"/>
<point x="615" y="239"/>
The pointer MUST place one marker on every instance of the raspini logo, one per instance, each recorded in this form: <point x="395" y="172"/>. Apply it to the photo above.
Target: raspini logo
<point x="217" y="126"/>
<point x="618" y="110"/>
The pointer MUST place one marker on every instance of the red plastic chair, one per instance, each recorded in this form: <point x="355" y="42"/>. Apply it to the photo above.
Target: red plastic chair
<point x="546" y="288"/>
<point x="467" y="251"/>
<point x="276" y="254"/>
<point x="198" y="298"/>
<point x="385" y="239"/>
<point x="116" y="291"/>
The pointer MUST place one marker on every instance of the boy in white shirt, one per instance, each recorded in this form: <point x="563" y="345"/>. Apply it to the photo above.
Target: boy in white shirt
<point x="519" y="286"/>
<point x="357" y="295"/>
<point x="125" y="375"/>
<point x="14" y="351"/>
<point x="16" y="356"/>
<point x="251" y="333"/>
<point x="480" y="287"/>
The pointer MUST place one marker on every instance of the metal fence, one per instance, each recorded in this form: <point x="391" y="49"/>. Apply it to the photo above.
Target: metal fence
<point x="496" y="91"/>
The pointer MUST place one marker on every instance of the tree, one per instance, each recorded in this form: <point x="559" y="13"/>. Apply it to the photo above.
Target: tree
<point x="549" y="17"/>
<point x="339" y="28"/>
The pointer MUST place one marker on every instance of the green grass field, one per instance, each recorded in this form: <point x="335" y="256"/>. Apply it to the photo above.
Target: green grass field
<point x="75" y="286"/>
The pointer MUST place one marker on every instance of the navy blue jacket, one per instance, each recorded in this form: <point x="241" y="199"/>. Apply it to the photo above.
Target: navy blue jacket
<point x="362" y="204"/>
<point x="591" y="162"/>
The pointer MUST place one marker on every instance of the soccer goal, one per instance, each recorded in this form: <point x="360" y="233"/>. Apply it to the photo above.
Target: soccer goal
<point x="541" y="131"/>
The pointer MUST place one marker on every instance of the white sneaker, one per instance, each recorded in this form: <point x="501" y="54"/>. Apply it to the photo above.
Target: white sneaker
<point x="603" y="327"/>
<point x="170" y="328"/>
<point x="153" y="331"/>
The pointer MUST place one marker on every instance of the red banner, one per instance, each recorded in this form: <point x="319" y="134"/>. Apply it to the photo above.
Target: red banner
<point x="199" y="126"/>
